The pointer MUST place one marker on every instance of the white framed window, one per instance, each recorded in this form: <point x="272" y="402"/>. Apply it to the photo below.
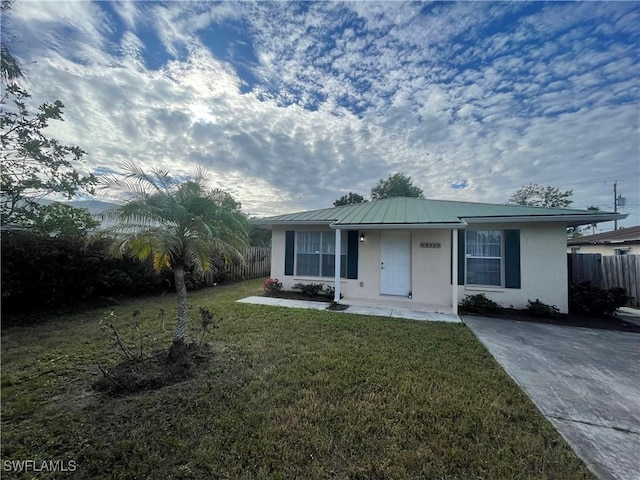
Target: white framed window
<point x="315" y="254"/>
<point x="621" y="251"/>
<point x="484" y="257"/>
<point x="575" y="249"/>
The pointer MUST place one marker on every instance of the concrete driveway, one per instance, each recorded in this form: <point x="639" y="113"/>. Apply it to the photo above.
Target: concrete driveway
<point x="585" y="381"/>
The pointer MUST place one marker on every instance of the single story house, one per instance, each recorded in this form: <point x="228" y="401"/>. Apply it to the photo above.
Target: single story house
<point x="428" y="254"/>
<point x="625" y="241"/>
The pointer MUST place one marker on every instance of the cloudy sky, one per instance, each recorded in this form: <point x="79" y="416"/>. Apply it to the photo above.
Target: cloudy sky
<point x="291" y="105"/>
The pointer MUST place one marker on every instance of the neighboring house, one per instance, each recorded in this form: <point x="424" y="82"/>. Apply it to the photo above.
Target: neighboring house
<point x="625" y="241"/>
<point x="428" y="254"/>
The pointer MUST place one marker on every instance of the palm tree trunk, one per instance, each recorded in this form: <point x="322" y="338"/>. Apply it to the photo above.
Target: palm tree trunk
<point x="178" y="349"/>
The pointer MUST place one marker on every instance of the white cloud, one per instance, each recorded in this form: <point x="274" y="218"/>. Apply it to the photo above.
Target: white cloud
<point x="349" y="93"/>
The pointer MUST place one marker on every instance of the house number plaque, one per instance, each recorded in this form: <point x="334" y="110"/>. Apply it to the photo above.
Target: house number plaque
<point x="429" y="244"/>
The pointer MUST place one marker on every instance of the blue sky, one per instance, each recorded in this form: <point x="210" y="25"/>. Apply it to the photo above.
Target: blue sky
<point x="291" y="105"/>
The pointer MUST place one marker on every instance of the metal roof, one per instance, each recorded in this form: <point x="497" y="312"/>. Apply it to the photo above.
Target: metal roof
<point x="416" y="212"/>
<point x="623" y="235"/>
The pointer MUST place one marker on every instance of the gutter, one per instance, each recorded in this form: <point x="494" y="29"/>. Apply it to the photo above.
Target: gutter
<point x="570" y="220"/>
<point x="314" y="223"/>
<point x="397" y="226"/>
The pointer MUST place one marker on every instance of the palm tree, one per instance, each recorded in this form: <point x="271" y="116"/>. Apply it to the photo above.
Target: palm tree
<point x="177" y="223"/>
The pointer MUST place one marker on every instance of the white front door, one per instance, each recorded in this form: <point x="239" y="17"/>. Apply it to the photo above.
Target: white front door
<point x="395" y="263"/>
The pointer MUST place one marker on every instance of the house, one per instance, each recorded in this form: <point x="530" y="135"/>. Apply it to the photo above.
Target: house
<point x="428" y="254"/>
<point x="625" y="241"/>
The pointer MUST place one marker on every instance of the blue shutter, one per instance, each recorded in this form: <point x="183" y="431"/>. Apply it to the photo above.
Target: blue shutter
<point x="289" y="243"/>
<point x="512" y="259"/>
<point x="352" y="254"/>
<point x="461" y="256"/>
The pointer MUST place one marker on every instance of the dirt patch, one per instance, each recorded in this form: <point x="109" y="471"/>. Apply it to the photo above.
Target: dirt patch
<point x="567" y="320"/>
<point x="153" y="372"/>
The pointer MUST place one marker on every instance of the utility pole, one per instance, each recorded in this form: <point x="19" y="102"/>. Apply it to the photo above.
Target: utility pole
<point x="618" y="201"/>
<point x="615" y="203"/>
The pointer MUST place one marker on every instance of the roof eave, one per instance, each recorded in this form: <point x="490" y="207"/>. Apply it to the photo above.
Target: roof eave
<point x="572" y="220"/>
<point x="270" y="224"/>
<point x="397" y="226"/>
<point x="576" y="242"/>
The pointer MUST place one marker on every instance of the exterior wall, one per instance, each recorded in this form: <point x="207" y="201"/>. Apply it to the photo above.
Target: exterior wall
<point x="609" y="249"/>
<point x="277" y="253"/>
<point x="288" y="281"/>
<point x="431" y="267"/>
<point x="430" y="270"/>
<point x="543" y="267"/>
<point x="542" y="260"/>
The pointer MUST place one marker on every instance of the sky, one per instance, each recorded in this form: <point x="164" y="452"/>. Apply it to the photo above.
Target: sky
<point x="290" y="105"/>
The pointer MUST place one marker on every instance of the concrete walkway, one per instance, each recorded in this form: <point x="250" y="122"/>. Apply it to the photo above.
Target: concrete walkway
<point x="585" y="381"/>
<point x="359" y="310"/>
<point x="631" y="315"/>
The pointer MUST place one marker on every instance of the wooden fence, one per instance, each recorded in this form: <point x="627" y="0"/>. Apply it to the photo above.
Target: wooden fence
<point x="257" y="264"/>
<point x="607" y="271"/>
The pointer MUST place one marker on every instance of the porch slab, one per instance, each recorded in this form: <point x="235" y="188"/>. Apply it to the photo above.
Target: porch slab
<point x="376" y="311"/>
<point x="283" y="302"/>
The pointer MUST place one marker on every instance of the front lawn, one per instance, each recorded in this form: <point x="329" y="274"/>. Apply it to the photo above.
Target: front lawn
<point x="287" y="394"/>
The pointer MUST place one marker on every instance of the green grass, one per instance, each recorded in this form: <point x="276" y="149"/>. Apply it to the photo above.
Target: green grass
<point x="288" y="394"/>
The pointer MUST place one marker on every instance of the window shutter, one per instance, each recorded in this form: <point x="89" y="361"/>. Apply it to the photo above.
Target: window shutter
<point x="352" y="254"/>
<point x="461" y="256"/>
<point x="290" y="239"/>
<point x="512" y="259"/>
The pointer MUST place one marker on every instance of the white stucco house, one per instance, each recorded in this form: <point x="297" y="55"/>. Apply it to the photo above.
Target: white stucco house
<point x="428" y="254"/>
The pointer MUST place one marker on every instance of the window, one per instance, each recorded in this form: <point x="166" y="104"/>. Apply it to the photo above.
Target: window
<point x="621" y="251"/>
<point x="575" y="249"/>
<point x="315" y="254"/>
<point x="484" y="257"/>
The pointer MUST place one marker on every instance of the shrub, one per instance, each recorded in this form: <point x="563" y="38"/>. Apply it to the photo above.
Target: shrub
<point x="271" y="286"/>
<point x="39" y="271"/>
<point x="330" y="292"/>
<point x="206" y="320"/>
<point x="309" y="289"/>
<point x="589" y="299"/>
<point x="540" y="309"/>
<point x="479" y="304"/>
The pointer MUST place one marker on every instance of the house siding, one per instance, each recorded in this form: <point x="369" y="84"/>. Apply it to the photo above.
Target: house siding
<point x="278" y="241"/>
<point x="542" y="266"/>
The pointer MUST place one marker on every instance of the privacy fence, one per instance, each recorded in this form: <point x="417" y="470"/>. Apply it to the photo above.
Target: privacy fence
<point x="607" y="271"/>
<point x="257" y="264"/>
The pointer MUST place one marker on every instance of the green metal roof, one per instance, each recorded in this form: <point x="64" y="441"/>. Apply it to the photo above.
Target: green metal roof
<point x="417" y="211"/>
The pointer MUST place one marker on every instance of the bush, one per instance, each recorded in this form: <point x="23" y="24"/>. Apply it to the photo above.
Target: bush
<point x="330" y="292"/>
<point x="272" y="286"/>
<point x="479" y="304"/>
<point x="309" y="289"/>
<point x="586" y="298"/>
<point x="540" y="309"/>
<point x="39" y="271"/>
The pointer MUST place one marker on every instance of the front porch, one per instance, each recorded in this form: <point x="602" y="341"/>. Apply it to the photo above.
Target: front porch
<point x="414" y="269"/>
<point x="395" y="302"/>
